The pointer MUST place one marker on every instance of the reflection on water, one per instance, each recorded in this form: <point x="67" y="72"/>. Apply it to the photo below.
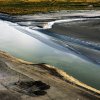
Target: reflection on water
<point x="31" y="49"/>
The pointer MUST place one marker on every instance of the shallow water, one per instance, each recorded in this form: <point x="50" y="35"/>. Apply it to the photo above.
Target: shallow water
<point x="38" y="47"/>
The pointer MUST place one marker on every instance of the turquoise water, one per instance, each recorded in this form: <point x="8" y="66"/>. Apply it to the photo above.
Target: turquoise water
<point x="38" y="48"/>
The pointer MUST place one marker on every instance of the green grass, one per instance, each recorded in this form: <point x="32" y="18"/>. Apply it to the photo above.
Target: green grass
<point x="34" y="7"/>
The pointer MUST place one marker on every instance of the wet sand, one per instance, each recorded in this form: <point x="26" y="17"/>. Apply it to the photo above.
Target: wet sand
<point x="62" y="86"/>
<point x="86" y="53"/>
<point x="87" y="29"/>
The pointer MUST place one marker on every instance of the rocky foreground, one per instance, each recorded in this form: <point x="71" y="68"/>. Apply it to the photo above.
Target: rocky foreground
<point x="21" y="80"/>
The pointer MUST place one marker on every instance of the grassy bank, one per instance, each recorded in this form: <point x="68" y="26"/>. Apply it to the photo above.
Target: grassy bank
<point x="35" y="7"/>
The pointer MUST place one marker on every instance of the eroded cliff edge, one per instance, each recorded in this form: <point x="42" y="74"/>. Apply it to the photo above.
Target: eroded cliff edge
<point x="18" y="82"/>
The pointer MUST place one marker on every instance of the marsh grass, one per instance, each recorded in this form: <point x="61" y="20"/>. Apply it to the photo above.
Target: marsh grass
<point x="19" y="7"/>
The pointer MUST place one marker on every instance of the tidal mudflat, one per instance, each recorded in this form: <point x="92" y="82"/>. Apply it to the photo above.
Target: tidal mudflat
<point x="68" y="40"/>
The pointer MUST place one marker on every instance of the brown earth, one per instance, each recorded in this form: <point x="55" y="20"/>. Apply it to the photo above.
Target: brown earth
<point x="16" y="76"/>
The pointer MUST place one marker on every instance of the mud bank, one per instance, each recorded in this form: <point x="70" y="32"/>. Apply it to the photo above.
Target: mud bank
<point x="61" y="85"/>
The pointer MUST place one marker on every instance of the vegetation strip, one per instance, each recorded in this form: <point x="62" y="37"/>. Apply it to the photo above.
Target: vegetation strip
<point x="15" y="7"/>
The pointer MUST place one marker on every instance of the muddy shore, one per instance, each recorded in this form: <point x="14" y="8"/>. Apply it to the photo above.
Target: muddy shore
<point x="86" y="29"/>
<point x="18" y="78"/>
<point x="61" y="85"/>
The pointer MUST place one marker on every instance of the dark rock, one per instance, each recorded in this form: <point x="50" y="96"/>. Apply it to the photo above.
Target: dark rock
<point x="44" y="87"/>
<point x="41" y="85"/>
<point x="40" y="92"/>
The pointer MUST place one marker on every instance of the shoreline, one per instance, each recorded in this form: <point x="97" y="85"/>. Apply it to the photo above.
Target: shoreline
<point x="76" y="29"/>
<point x="53" y="71"/>
<point x="46" y="73"/>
